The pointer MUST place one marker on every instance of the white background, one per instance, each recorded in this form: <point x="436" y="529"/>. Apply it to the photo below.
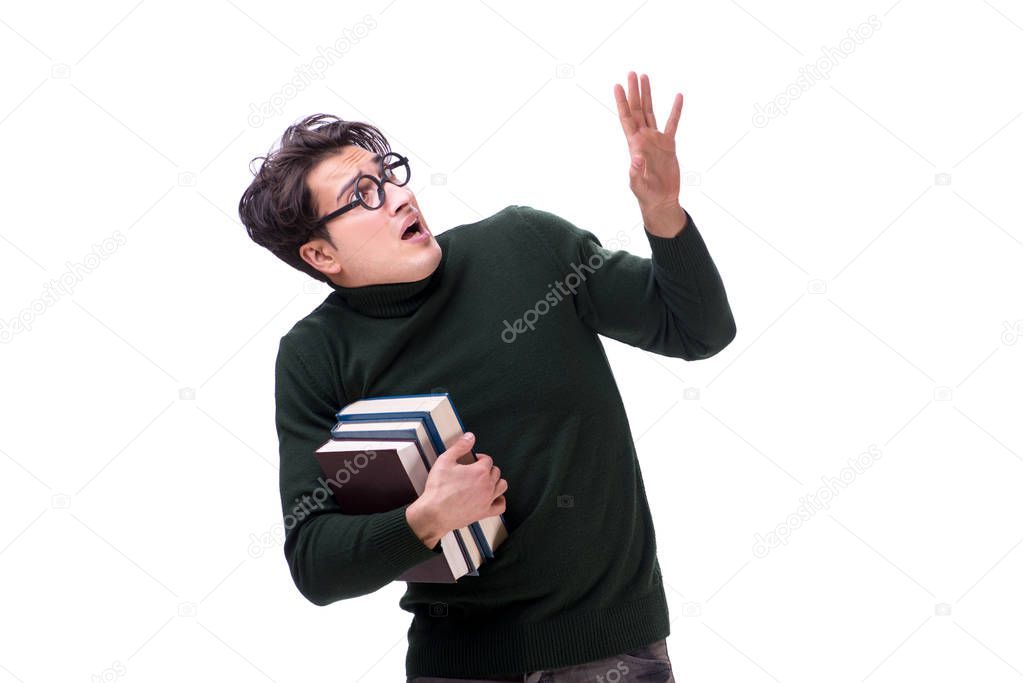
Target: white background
<point x="869" y="238"/>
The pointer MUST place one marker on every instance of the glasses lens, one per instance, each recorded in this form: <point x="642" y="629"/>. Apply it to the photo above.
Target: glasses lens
<point x="396" y="170"/>
<point x="369" y="192"/>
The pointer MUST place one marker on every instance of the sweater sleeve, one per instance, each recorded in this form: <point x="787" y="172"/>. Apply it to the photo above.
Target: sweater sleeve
<point x="332" y="556"/>
<point x="673" y="304"/>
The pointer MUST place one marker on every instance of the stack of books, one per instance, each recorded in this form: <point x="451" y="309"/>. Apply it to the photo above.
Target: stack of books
<point x="378" y="458"/>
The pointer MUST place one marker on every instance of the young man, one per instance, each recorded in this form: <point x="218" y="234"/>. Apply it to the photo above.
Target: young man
<point x="504" y="314"/>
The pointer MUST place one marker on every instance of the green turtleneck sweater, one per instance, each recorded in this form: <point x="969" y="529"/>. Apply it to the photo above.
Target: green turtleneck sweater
<point x="508" y="324"/>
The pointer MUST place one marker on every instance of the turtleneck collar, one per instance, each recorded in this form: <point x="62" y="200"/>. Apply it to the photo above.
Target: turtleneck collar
<point x="393" y="299"/>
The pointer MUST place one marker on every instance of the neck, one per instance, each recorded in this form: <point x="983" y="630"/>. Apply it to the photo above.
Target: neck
<point x="390" y="300"/>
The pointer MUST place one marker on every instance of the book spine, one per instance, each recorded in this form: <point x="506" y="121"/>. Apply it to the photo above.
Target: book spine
<point x="481" y="540"/>
<point x="473" y="570"/>
<point x="477" y="530"/>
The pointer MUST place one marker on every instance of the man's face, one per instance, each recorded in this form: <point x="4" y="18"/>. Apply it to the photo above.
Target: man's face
<point x="369" y="248"/>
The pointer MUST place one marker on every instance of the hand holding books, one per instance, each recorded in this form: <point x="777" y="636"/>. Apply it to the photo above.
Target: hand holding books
<point x="457" y="494"/>
<point x="380" y="457"/>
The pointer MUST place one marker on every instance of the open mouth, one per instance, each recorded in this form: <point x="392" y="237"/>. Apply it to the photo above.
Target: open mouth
<point x="411" y="231"/>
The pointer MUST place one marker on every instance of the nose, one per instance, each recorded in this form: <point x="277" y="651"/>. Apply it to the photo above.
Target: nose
<point x="396" y="197"/>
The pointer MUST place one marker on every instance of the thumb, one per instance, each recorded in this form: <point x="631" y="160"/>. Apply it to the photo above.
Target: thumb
<point x="460" y="447"/>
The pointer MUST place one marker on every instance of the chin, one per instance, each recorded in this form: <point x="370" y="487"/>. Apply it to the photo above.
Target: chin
<point x="430" y="255"/>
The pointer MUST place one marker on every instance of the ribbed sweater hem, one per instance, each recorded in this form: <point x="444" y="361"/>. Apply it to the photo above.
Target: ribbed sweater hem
<point x="567" y="640"/>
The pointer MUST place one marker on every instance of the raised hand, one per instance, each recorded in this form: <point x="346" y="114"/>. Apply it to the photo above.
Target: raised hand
<point x="654" y="175"/>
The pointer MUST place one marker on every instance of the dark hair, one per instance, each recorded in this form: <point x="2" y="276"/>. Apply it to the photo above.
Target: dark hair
<point x="278" y="209"/>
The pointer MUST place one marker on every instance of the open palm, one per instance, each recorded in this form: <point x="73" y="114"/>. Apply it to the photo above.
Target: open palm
<point x="654" y="175"/>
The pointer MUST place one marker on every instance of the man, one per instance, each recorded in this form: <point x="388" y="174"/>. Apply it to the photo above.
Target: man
<point x="504" y="314"/>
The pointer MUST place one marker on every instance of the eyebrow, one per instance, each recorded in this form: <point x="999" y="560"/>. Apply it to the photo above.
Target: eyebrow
<point x="376" y="158"/>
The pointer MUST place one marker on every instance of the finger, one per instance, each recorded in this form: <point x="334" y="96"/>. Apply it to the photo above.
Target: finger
<point x="624" y="115"/>
<point x="648" y="103"/>
<point x="635" y="104"/>
<point x="673" y="117"/>
<point x="495" y="473"/>
<point x="459" y="448"/>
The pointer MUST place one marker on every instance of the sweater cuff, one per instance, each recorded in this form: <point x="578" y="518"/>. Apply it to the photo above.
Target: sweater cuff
<point x="685" y="252"/>
<point x="398" y="542"/>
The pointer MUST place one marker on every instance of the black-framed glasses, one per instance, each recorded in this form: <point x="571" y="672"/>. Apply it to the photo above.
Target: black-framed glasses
<point x="369" y="190"/>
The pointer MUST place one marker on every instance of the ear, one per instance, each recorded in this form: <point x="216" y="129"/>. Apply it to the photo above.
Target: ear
<point x="314" y="252"/>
